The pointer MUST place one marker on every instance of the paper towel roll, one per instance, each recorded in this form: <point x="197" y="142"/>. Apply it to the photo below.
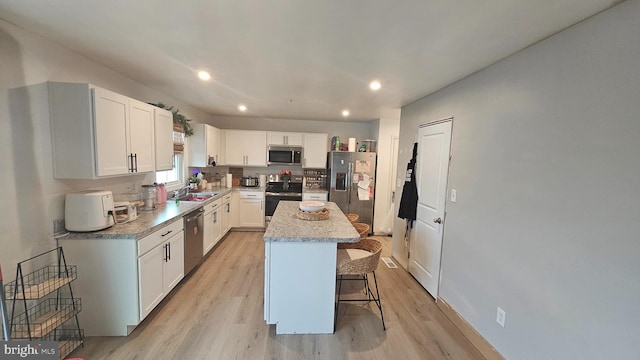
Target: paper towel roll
<point x="229" y="180"/>
<point x="352" y="144"/>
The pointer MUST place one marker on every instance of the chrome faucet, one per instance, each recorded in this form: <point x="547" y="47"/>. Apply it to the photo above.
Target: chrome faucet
<point x="179" y="193"/>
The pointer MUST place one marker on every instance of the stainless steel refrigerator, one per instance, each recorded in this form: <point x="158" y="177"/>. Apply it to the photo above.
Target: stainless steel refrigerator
<point x="352" y="183"/>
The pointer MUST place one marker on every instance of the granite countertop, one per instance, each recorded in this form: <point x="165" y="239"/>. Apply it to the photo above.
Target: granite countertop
<point x="149" y="221"/>
<point x="285" y="226"/>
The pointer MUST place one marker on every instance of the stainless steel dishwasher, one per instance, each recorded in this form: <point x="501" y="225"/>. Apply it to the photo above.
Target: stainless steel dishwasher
<point x="193" y="226"/>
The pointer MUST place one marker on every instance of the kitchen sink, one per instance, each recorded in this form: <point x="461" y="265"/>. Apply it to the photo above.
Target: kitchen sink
<point x="197" y="196"/>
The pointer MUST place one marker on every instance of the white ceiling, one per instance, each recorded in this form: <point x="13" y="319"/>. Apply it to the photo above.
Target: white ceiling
<point x="297" y="59"/>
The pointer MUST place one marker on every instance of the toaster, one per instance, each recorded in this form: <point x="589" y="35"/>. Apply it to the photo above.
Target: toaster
<point x="89" y="210"/>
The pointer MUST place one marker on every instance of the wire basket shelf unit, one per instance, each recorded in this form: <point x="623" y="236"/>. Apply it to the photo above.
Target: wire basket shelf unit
<point x="43" y="306"/>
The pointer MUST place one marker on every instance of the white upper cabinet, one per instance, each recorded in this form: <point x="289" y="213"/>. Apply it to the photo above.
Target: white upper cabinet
<point x="163" y="139"/>
<point x="284" y="138"/>
<point x="111" y="143"/>
<point x="98" y="133"/>
<point x="204" y="145"/>
<point x="246" y="148"/>
<point x="315" y="151"/>
<point x="141" y="135"/>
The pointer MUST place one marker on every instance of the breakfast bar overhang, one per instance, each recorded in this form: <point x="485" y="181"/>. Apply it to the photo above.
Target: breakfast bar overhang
<point x="300" y="269"/>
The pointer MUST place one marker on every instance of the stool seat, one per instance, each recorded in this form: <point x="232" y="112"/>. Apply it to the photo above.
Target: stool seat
<point x="352" y="217"/>
<point x="362" y="229"/>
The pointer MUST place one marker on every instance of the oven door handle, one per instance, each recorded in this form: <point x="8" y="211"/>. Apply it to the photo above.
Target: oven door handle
<point x="283" y="194"/>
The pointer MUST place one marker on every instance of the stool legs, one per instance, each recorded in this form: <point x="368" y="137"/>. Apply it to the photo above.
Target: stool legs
<point x="335" y="316"/>
<point x="378" y="302"/>
<point x="370" y="297"/>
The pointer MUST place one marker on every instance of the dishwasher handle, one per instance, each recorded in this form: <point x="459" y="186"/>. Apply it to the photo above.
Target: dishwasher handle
<point x="191" y="216"/>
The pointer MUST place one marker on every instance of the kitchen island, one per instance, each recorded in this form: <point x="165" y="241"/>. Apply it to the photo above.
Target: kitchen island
<point x="300" y="269"/>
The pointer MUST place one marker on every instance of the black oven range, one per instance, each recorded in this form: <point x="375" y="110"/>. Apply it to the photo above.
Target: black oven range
<point x="275" y="193"/>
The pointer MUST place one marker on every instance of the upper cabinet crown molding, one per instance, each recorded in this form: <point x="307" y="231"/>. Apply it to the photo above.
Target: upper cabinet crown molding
<point x="99" y="133"/>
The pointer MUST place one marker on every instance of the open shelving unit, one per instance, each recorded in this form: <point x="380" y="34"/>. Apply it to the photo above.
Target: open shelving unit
<point x="43" y="306"/>
<point x="315" y="178"/>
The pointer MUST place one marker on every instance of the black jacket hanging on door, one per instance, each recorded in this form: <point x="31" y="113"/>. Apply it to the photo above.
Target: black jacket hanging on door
<point x="409" y="200"/>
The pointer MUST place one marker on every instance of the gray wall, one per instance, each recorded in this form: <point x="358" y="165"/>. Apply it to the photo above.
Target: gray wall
<point x="546" y="162"/>
<point x="31" y="198"/>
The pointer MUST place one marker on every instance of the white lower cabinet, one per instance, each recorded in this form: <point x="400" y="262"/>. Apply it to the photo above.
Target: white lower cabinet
<point x="251" y="209"/>
<point x="212" y="225"/>
<point x="225" y="213"/>
<point x="160" y="269"/>
<point x="123" y="280"/>
<point x="207" y="233"/>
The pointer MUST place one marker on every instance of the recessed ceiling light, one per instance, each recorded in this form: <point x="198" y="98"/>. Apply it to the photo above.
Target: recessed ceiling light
<point x="242" y="107"/>
<point x="375" y="85"/>
<point x="345" y="113"/>
<point x="203" y="75"/>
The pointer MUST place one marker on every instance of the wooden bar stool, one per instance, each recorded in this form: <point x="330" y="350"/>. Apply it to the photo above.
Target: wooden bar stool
<point x="362" y="229"/>
<point x="352" y="217"/>
<point x="359" y="259"/>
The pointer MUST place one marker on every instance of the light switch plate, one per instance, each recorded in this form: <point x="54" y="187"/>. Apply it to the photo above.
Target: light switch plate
<point x="454" y="195"/>
<point x="501" y="316"/>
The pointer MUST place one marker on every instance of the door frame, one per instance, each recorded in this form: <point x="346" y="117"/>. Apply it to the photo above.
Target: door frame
<point x="446" y="200"/>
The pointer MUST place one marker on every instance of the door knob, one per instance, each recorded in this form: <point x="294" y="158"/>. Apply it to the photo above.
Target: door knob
<point x="437" y="221"/>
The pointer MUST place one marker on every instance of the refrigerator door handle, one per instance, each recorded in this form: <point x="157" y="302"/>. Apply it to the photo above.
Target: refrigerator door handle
<point x="350" y="182"/>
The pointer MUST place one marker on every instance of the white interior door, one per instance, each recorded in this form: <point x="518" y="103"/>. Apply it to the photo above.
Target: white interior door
<point x="431" y="176"/>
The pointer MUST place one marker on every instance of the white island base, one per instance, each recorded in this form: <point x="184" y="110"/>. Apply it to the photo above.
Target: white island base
<point x="302" y="302"/>
<point x="300" y="269"/>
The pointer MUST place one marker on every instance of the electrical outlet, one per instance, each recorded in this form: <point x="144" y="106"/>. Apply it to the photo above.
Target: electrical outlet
<point x="501" y="317"/>
<point x="454" y="195"/>
<point x="58" y="227"/>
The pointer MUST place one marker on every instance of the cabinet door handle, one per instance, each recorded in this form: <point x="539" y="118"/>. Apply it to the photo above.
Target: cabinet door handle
<point x="169" y="247"/>
<point x="135" y="157"/>
<point x="130" y="161"/>
<point x="215" y="217"/>
<point x="166" y="252"/>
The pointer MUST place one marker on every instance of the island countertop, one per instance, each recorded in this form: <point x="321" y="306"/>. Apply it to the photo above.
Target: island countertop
<point x="285" y="226"/>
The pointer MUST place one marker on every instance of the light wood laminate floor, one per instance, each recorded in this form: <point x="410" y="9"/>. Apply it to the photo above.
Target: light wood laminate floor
<point x="217" y="313"/>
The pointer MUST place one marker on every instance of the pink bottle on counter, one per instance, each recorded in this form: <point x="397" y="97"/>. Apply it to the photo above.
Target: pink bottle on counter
<point x="162" y="194"/>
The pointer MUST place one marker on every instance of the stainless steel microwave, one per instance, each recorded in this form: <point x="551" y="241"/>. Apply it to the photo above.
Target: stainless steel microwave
<point x="284" y="155"/>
